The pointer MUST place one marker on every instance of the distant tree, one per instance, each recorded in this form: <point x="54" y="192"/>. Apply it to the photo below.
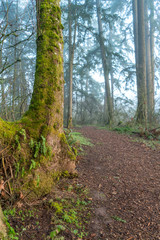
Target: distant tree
<point x="72" y="41"/>
<point x="149" y="74"/>
<point x="105" y="63"/>
<point x="139" y="33"/>
<point x="17" y="43"/>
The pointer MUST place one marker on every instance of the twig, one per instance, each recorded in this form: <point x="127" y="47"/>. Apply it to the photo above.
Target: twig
<point x="9" y="186"/>
<point x="7" y="192"/>
<point x="3" y="150"/>
<point x="11" y="171"/>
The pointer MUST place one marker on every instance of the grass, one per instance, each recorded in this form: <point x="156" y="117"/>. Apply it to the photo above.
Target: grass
<point x="80" y="139"/>
<point x="116" y="218"/>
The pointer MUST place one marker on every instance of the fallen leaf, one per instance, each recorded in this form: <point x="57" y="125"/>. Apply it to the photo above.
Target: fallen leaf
<point x="21" y="195"/>
<point x="93" y="234"/>
<point x="1" y="186"/>
<point x="19" y="204"/>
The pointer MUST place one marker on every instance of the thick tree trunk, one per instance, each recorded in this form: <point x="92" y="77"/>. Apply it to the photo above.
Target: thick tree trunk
<point x="139" y="39"/>
<point x="38" y="137"/>
<point x="46" y="108"/>
<point x="105" y="64"/>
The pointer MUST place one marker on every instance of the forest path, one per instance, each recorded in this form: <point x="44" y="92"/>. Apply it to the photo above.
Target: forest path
<point x="124" y="181"/>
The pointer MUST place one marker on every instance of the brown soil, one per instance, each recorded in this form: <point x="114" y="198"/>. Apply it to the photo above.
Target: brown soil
<point x="124" y="181"/>
<point x="123" y="177"/>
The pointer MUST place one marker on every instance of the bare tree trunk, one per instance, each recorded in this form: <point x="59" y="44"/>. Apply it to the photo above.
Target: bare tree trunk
<point x="15" y="77"/>
<point x="23" y="91"/>
<point x="105" y="64"/>
<point x="150" y="88"/>
<point x="140" y="57"/>
<point x="71" y="58"/>
<point x="3" y="103"/>
<point x="141" y="73"/>
<point x="110" y="64"/>
<point x="135" y="29"/>
<point x="152" y="56"/>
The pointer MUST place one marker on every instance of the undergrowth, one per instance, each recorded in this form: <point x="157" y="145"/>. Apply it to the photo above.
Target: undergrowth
<point x="56" y="217"/>
<point x="76" y="138"/>
<point x="126" y="129"/>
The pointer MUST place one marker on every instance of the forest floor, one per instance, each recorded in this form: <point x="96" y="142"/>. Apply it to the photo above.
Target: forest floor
<point x="116" y="195"/>
<point x="123" y="176"/>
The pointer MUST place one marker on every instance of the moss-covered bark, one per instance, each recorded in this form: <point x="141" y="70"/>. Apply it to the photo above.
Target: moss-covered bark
<point x="37" y="143"/>
<point x="46" y="108"/>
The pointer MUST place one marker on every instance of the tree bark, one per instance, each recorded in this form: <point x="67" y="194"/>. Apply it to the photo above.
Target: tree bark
<point x="39" y="134"/>
<point x="139" y="39"/>
<point x="135" y="29"/>
<point x="105" y="64"/>
<point x="150" y="82"/>
<point x="152" y="57"/>
<point x="71" y="58"/>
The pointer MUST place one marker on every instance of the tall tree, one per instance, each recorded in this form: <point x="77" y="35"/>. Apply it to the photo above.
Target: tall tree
<point x="149" y="66"/>
<point x="72" y="42"/>
<point x="46" y="108"/>
<point x="105" y="63"/>
<point x="139" y="32"/>
<point x="42" y="125"/>
<point x="152" y="49"/>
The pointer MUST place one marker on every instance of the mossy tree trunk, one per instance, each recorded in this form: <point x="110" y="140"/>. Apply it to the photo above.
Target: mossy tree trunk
<point x="39" y="146"/>
<point x="36" y="145"/>
<point x="46" y="108"/>
<point x="45" y="115"/>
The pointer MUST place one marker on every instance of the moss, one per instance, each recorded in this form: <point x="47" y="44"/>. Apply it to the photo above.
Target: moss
<point x="65" y="174"/>
<point x="8" y="130"/>
<point x="66" y="148"/>
<point x="71" y="155"/>
<point x="47" y="73"/>
<point x="39" y="184"/>
<point x="63" y="139"/>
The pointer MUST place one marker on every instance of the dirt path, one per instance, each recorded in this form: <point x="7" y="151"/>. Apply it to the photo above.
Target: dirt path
<point x="124" y="179"/>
